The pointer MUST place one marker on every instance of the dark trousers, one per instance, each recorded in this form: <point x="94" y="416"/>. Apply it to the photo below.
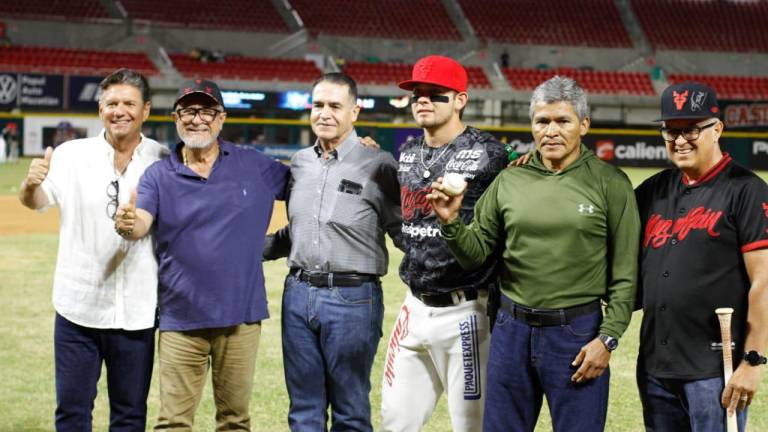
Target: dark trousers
<point x="79" y="353"/>
<point x="527" y="363"/>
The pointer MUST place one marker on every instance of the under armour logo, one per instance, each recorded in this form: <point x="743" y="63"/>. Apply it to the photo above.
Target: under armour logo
<point x="697" y="100"/>
<point x="680" y="99"/>
<point x="7" y="89"/>
<point x="583" y="208"/>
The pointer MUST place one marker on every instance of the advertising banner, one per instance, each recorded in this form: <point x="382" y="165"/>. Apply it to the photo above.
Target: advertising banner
<point x="84" y="93"/>
<point x="38" y="91"/>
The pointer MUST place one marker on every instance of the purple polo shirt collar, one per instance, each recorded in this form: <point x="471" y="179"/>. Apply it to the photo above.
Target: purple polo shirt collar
<point x="177" y="164"/>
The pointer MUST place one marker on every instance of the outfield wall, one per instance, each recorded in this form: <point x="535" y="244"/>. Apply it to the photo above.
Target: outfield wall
<point x="281" y="138"/>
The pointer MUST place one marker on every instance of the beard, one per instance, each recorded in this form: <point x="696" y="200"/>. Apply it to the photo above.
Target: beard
<point x="196" y="141"/>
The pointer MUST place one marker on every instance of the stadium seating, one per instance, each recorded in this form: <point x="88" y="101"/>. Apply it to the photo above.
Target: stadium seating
<point x="594" y="23"/>
<point x="729" y="87"/>
<point x="53" y="9"/>
<point x="620" y="83"/>
<point x="71" y="61"/>
<point x="247" y="68"/>
<point x="396" y="19"/>
<point x="392" y="73"/>
<point x="253" y="15"/>
<point x="704" y="25"/>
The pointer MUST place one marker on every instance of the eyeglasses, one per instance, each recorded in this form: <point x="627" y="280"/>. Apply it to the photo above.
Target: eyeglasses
<point x="433" y="97"/>
<point x="206" y="114"/>
<point x="113" y="190"/>
<point x="689" y="134"/>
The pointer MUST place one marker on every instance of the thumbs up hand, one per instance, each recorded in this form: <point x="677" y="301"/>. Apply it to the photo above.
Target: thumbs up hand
<point x="125" y="217"/>
<point x="38" y="169"/>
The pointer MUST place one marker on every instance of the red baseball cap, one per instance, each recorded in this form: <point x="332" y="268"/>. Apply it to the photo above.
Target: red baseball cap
<point x="437" y="70"/>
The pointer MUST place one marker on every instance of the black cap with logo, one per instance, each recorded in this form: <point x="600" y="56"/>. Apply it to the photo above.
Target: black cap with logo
<point x="208" y="88"/>
<point x="688" y="100"/>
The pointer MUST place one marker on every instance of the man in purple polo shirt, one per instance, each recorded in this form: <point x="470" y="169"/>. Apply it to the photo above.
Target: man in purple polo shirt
<point x="210" y="203"/>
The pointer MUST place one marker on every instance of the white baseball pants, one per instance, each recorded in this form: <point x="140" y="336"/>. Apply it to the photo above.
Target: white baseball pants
<point x="432" y="350"/>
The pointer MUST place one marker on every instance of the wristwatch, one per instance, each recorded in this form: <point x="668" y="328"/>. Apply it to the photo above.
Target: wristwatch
<point x="610" y="342"/>
<point x="754" y="358"/>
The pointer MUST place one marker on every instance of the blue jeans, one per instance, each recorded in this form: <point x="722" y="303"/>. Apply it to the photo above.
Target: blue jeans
<point x="79" y="352"/>
<point x="682" y="405"/>
<point x="330" y="337"/>
<point x="527" y="363"/>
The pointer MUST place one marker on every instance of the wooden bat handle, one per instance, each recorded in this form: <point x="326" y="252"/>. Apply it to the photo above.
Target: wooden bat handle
<point x="724" y="317"/>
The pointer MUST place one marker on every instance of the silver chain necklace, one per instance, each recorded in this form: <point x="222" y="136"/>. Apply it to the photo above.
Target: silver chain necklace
<point x="428" y="173"/>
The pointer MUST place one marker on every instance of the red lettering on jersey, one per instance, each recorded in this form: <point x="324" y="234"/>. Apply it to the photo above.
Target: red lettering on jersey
<point x="415" y="201"/>
<point x="399" y="332"/>
<point x="765" y="209"/>
<point x="659" y="230"/>
<point x="680" y="99"/>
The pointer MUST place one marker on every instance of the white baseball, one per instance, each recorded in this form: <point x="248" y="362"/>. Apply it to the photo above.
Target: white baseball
<point x="454" y="184"/>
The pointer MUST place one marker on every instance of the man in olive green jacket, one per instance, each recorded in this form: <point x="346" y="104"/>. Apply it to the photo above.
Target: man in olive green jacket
<point x="569" y="227"/>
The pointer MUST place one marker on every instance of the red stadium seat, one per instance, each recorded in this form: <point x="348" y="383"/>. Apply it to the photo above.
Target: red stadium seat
<point x="729" y="87"/>
<point x="397" y="19"/>
<point x="704" y="25"/>
<point x="594" y="23"/>
<point x="248" y="68"/>
<point x="253" y="15"/>
<point x="73" y="61"/>
<point x="54" y="9"/>
<point x="601" y="82"/>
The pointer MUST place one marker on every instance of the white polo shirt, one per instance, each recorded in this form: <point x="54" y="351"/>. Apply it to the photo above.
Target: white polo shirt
<point x="101" y="280"/>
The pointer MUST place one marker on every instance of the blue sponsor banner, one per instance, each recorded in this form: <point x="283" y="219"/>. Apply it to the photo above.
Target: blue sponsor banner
<point x="43" y="92"/>
<point x="84" y="93"/>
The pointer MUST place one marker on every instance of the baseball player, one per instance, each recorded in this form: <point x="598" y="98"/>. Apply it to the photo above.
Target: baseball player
<point x="704" y="246"/>
<point x="439" y="342"/>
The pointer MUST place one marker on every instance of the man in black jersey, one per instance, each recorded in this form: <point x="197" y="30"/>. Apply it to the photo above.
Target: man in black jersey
<point x="705" y="246"/>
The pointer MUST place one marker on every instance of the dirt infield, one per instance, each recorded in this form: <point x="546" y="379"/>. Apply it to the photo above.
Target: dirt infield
<point x="17" y="219"/>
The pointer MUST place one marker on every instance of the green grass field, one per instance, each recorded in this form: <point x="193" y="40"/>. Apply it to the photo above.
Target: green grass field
<point x="27" y="397"/>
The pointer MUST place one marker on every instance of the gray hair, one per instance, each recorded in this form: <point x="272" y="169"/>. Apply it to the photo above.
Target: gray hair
<point x="560" y="89"/>
<point x="128" y="77"/>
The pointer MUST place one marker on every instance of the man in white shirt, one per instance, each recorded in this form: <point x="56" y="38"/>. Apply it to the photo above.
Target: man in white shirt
<point x="104" y="288"/>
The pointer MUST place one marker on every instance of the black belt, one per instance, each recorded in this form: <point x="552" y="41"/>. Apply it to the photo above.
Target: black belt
<point x="333" y="279"/>
<point x="445" y="299"/>
<point x="547" y="317"/>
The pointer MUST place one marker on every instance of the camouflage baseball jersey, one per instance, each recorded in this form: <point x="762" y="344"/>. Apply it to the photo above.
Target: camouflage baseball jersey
<point x="428" y="264"/>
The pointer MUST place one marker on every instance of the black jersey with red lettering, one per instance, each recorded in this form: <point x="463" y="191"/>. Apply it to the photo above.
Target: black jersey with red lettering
<point x="428" y="264"/>
<point x="691" y="263"/>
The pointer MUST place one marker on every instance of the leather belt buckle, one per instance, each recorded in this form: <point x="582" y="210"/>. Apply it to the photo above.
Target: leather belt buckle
<point x="533" y="319"/>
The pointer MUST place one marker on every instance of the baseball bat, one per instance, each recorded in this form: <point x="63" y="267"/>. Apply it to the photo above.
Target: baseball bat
<point x="724" y="316"/>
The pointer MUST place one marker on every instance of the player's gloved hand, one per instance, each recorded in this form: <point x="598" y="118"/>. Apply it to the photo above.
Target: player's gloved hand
<point x="741" y="388"/>
<point x="592" y="360"/>
<point x="38" y="169"/>
<point x="446" y="207"/>
<point x="125" y="217"/>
